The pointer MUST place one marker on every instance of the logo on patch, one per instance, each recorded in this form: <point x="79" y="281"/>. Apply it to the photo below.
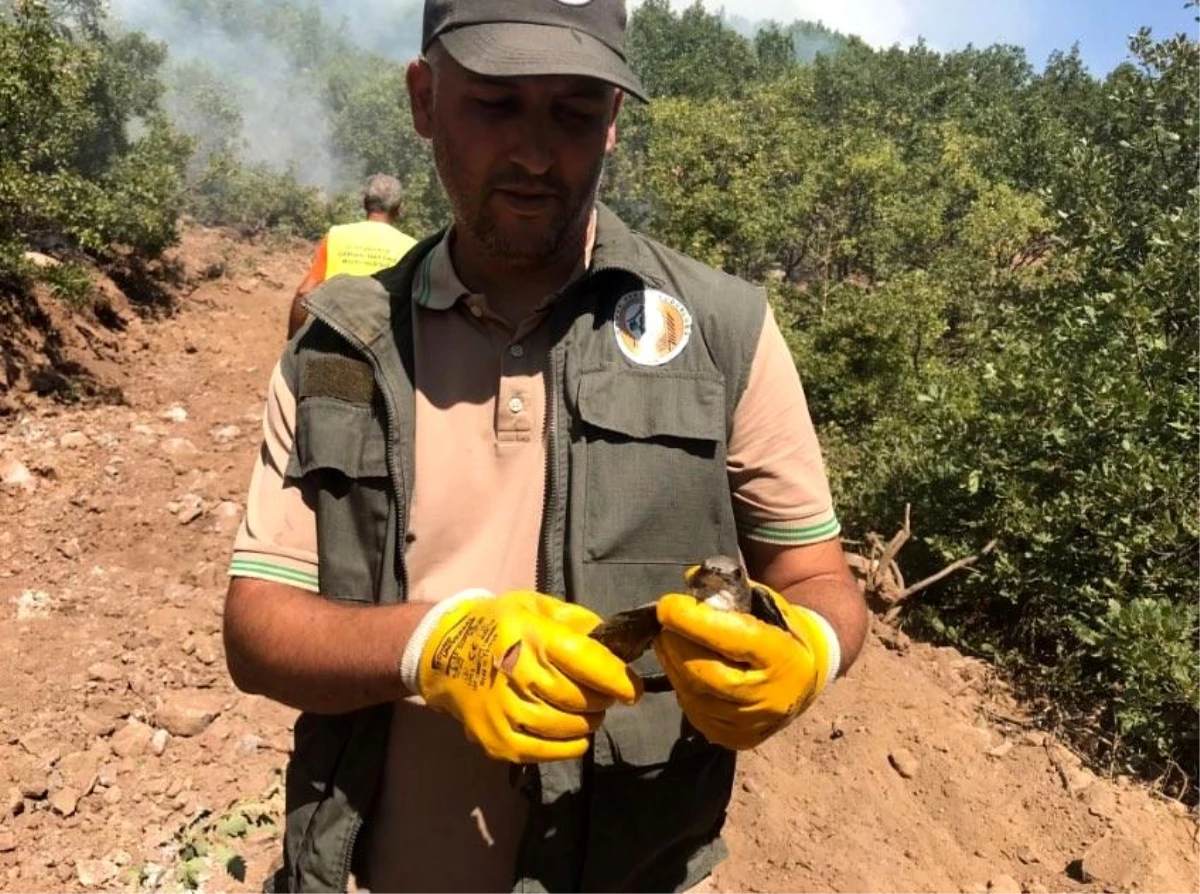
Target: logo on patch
<point x="651" y="327"/>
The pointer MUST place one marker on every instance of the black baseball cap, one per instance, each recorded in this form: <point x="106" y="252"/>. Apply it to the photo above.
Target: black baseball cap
<point x="516" y="38"/>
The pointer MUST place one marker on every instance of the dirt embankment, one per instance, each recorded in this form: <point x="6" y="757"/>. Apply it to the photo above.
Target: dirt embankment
<point x="128" y="761"/>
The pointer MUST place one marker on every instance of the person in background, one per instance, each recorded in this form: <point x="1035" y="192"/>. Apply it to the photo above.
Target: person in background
<point x="358" y="249"/>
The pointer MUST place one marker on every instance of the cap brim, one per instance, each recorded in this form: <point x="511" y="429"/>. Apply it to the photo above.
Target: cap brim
<point x="517" y="49"/>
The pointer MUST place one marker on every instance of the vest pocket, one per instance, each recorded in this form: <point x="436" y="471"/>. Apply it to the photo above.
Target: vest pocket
<point x="658" y="799"/>
<point x="655" y="487"/>
<point x="339" y="460"/>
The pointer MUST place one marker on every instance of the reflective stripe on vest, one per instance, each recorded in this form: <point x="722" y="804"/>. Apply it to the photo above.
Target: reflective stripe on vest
<point x="364" y="248"/>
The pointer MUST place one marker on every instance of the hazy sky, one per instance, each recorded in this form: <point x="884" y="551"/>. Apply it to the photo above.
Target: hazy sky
<point x="1041" y="26"/>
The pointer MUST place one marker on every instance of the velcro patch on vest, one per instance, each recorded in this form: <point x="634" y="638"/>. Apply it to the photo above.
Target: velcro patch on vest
<point x="341" y="377"/>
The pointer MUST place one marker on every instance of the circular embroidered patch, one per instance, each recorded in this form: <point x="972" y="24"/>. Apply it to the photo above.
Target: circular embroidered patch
<point x="652" y="327"/>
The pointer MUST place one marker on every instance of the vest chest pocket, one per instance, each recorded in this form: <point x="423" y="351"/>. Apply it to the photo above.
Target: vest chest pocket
<point x="655" y="487"/>
<point x="339" y="460"/>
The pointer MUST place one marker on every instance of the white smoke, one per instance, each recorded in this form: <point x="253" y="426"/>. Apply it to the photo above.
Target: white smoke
<point x="285" y="122"/>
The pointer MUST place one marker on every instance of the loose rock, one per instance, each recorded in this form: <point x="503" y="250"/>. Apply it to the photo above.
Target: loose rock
<point x="132" y="739"/>
<point x="74" y="440"/>
<point x="94" y="873"/>
<point x="227" y="434"/>
<point x="185" y="716"/>
<point x="1115" y="862"/>
<point x="80" y="771"/>
<point x="8" y="841"/>
<point x="104" y="672"/>
<point x="64" y="801"/>
<point x="15" y="475"/>
<point x="33" y="604"/>
<point x="158" y="744"/>
<point x="1003" y="884"/>
<point x="904" y="762"/>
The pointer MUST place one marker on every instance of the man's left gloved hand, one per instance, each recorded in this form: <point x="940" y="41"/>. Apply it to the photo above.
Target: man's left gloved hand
<point x="739" y="679"/>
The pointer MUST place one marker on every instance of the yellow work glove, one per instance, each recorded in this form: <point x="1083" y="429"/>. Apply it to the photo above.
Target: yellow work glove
<point x="518" y="671"/>
<point x="739" y="679"/>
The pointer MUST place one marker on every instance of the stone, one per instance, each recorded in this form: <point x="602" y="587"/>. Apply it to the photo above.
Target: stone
<point x="113" y="796"/>
<point x="33" y="604"/>
<point x="188" y="508"/>
<point x="34" y="789"/>
<point x="186" y="715"/>
<point x="65" y="801"/>
<point x="15" y="475"/>
<point x="176" y="415"/>
<point x="131" y="739"/>
<point x="74" y="440"/>
<point x="70" y="549"/>
<point x="1100" y="801"/>
<point x="94" y="873"/>
<point x="1004" y="884"/>
<point x="1028" y="855"/>
<point x="41" y="261"/>
<point x="206" y="651"/>
<point x="14" y="802"/>
<point x="80" y="771"/>
<point x="158" y="744"/>
<point x="104" y="672"/>
<point x="8" y="841"/>
<point x="1000" y="750"/>
<point x="1115" y="861"/>
<point x="179" y="447"/>
<point x="226" y="434"/>
<point x="904" y="762"/>
<point x="248" y="745"/>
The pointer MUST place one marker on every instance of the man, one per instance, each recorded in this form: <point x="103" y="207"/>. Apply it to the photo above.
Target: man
<point x="537" y="418"/>
<point x="359" y="249"/>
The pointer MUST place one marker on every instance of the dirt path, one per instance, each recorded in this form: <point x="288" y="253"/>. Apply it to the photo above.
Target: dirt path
<point x="127" y="760"/>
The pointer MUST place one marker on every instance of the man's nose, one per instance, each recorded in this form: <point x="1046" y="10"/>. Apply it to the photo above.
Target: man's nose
<point x="533" y="146"/>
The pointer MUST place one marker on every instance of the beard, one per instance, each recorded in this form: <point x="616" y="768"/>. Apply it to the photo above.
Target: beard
<point x="525" y="243"/>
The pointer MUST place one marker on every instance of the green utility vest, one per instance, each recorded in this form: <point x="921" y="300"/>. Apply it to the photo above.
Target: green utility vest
<point x="636" y="490"/>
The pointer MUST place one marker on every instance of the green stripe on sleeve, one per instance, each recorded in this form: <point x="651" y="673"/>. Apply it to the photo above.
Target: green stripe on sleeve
<point x="277" y="573"/>
<point x="786" y="535"/>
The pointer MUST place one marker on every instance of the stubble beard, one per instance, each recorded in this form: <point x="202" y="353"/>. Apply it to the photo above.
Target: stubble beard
<point x="512" y="248"/>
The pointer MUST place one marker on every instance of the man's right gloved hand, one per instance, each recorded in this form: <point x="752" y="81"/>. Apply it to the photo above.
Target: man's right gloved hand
<point x="519" y="671"/>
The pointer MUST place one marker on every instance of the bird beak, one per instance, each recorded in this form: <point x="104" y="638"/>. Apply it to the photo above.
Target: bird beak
<point x="689" y="576"/>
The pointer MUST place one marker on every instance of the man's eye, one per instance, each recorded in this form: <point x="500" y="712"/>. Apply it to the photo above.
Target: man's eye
<point x="577" y="115"/>
<point x="493" y="106"/>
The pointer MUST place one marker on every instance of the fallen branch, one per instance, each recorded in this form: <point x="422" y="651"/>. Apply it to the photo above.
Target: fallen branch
<point x="948" y="570"/>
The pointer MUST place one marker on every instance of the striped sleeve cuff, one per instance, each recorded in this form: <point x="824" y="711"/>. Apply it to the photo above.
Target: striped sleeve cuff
<point x="792" y="534"/>
<point x="264" y="569"/>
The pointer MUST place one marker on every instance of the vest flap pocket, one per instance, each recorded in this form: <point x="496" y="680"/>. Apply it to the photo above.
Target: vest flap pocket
<point x="334" y="434"/>
<point x="648" y="404"/>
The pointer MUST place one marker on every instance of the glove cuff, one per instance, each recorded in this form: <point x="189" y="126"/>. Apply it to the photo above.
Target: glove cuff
<point x="410" y="659"/>
<point x="833" y="646"/>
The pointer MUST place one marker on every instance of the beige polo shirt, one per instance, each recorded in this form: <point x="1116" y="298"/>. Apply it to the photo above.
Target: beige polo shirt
<point x="448" y="818"/>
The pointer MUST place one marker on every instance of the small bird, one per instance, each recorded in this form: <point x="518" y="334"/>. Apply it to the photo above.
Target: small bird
<point x="718" y="581"/>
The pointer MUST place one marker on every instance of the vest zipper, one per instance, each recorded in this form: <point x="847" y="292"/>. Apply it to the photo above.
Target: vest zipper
<point x="550" y="480"/>
<point x="398" y="485"/>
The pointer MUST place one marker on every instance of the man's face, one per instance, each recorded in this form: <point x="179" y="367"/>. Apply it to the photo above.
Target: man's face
<point x="520" y="158"/>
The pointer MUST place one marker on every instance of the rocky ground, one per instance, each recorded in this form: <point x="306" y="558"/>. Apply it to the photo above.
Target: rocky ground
<point x="129" y="762"/>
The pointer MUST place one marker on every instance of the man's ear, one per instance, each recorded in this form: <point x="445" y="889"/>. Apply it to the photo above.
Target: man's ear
<point x="610" y="140"/>
<point x="419" y="78"/>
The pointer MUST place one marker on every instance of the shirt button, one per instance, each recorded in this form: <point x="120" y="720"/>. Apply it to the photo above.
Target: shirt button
<point x="517" y="351"/>
<point x="516" y="405"/>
